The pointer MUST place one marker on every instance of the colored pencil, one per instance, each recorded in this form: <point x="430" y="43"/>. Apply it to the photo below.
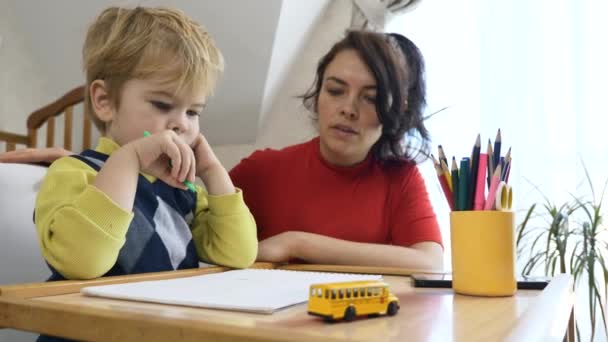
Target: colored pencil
<point x="442" y="155"/>
<point x="446" y="172"/>
<point x="446" y="190"/>
<point x="474" y="171"/>
<point x="443" y="162"/>
<point x="497" y="144"/>
<point x="507" y="162"/>
<point x="463" y="183"/>
<point x="480" y="188"/>
<point x="455" y="183"/>
<point x="443" y="181"/>
<point x="492" y="190"/>
<point x="490" y="162"/>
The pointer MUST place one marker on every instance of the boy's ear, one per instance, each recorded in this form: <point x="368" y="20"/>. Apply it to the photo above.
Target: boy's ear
<point x="100" y="101"/>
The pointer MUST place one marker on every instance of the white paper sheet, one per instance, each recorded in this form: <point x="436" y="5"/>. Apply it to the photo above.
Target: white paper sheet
<point x="251" y="290"/>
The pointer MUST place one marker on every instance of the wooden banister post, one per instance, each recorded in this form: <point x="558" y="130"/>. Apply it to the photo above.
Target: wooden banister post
<point x="67" y="128"/>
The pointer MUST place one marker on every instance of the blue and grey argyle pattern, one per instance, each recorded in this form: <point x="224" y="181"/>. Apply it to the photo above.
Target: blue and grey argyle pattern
<point x="159" y="237"/>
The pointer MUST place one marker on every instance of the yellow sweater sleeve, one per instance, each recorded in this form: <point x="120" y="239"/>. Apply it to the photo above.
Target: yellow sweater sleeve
<point x="224" y="230"/>
<point x="80" y="229"/>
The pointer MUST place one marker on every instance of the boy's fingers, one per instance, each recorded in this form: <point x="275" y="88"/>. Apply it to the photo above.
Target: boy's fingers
<point x="192" y="175"/>
<point x="192" y="163"/>
<point x="186" y="153"/>
<point x="187" y="166"/>
<point x="171" y="149"/>
<point x="200" y="141"/>
<point x="172" y="181"/>
<point x="203" y="141"/>
<point x="167" y="178"/>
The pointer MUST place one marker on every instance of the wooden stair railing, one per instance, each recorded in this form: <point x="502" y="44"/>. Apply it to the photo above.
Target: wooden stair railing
<point x="47" y="114"/>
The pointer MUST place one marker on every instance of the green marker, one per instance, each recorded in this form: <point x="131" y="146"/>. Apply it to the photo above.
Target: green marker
<point x="187" y="183"/>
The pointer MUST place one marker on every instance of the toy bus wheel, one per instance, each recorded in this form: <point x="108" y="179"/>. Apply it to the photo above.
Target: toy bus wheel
<point x="393" y="307"/>
<point x="350" y="313"/>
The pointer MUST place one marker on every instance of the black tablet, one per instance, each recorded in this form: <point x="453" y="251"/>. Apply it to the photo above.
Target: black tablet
<point x="445" y="281"/>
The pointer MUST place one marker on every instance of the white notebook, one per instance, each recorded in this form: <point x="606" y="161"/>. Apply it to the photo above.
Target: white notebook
<point x="251" y="290"/>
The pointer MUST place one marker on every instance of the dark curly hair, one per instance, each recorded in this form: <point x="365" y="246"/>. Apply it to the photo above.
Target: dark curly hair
<point x="398" y="67"/>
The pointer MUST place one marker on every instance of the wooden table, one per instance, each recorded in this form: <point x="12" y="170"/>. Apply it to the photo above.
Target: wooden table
<point x="426" y="314"/>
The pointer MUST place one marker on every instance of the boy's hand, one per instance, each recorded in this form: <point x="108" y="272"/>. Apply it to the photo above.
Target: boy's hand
<point x="164" y="155"/>
<point x="209" y="169"/>
<point x="205" y="158"/>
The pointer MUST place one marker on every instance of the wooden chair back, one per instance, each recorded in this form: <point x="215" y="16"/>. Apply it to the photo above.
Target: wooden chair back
<point x="47" y="114"/>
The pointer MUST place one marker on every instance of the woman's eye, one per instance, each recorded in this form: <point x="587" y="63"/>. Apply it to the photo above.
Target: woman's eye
<point x="165" y="107"/>
<point x="370" y="99"/>
<point x="335" y="92"/>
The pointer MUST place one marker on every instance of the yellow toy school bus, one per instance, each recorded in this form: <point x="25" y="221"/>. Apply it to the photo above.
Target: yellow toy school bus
<point x="347" y="300"/>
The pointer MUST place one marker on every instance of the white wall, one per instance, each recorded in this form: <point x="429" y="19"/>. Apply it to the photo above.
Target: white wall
<point x="23" y="82"/>
<point x="286" y="121"/>
<point x="296" y="22"/>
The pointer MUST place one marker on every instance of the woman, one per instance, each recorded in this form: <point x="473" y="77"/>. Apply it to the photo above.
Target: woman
<point x="352" y="195"/>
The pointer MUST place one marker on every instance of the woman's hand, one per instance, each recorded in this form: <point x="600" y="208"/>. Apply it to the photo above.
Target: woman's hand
<point x="320" y="249"/>
<point x="278" y="248"/>
<point x="34" y="155"/>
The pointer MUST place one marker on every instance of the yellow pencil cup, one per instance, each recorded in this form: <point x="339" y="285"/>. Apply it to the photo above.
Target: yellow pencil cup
<point x="483" y="252"/>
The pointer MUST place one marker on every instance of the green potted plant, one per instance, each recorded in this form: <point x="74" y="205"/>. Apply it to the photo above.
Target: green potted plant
<point x="569" y="238"/>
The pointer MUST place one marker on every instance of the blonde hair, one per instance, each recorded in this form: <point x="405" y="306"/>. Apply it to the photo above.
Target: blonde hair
<point x="142" y="43"/>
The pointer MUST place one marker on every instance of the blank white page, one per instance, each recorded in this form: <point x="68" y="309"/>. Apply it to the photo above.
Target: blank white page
<point x="251" y="290"/>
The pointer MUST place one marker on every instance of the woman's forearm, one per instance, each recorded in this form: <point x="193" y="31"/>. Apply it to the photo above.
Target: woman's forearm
<point x="320" y="249"/>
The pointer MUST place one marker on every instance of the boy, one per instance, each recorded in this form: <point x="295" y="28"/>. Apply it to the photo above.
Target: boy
<point x="123" y="208"/>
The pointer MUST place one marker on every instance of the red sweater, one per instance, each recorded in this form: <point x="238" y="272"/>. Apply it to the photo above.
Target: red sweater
<point x="295" y="189"/>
